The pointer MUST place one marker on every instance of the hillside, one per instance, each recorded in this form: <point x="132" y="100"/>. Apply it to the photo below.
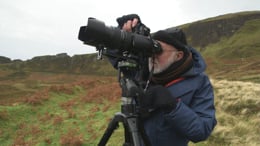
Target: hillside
<point x="229" y="43"/>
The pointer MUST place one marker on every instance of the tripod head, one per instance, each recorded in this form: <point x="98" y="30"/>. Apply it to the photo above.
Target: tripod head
<point x="131" y="88"/>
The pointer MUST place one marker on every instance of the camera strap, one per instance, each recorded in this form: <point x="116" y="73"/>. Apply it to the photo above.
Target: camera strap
<point x="150" y="75"/>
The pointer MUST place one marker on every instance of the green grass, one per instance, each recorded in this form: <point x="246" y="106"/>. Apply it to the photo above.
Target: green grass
<point x="60" y="119"/>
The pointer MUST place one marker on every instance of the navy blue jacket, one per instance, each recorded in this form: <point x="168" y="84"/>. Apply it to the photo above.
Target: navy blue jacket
<point x="194" y="117"/>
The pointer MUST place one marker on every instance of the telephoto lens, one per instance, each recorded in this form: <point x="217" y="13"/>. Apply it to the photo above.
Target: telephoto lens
<point x="97" y="33"/>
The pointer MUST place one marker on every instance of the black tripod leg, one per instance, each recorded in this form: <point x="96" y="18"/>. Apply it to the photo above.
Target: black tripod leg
<point x="132" y="134"/>
<point x="110" y="129"/>
<point x="133" y="129"/>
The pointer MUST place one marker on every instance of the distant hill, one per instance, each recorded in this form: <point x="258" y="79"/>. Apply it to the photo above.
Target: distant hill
<point x="4" y="60"/>
<point x="230" y="44"/>
<point x="63" y="63"/>
<point x="210" y="31"/>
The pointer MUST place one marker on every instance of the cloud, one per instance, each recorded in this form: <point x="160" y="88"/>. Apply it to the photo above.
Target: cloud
<point x="39" y="27"/>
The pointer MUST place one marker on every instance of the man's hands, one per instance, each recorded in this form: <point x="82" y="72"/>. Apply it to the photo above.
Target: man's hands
<point x="127" y="22"/>
<point x="158" y="97"/>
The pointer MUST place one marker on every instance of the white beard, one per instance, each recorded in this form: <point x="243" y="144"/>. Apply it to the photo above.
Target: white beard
<point x="158" y="68"/>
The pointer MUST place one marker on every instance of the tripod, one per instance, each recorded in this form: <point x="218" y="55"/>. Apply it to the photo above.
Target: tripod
<point x="133" y="128"/>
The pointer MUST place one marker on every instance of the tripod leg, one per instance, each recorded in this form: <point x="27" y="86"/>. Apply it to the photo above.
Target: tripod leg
<point x="136" y="129"/>
<point x="133" y="137"/>
<point x="132" y="125"/>
<point x="110" y="129"/>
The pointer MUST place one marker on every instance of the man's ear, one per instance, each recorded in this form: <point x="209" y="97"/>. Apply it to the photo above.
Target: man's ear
<point x="180" y="55"/>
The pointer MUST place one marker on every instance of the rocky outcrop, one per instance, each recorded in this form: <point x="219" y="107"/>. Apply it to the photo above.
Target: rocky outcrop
<point x="209" y="31"/>
<point x="4" y="60"/>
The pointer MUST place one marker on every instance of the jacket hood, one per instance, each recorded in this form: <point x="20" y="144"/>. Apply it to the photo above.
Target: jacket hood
<point x="199" y="65"/>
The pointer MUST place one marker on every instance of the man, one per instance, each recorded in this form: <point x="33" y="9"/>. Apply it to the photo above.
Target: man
<point x="180" y="93"/>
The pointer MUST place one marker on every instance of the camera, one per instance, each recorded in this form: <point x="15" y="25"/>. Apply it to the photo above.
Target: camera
<point x="97" y="34"/>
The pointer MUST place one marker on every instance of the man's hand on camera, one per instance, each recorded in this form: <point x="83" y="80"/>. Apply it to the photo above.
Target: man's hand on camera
<point x="127" y="22"/>
<point x="129" y="25"/>
<point x="158" y="97"/>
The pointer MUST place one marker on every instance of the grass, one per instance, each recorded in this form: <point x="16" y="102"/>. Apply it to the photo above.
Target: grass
<point x="74" y="110"/>
<point x="63" y="116"/>
<point x="64" y="110"/>
<point x="237" y="112"/>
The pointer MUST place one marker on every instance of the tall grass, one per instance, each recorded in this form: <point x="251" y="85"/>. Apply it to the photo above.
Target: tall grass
<point x="238" y="114"/>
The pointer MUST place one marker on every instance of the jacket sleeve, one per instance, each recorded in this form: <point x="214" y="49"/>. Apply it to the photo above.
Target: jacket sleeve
<point x="197" y="120"/>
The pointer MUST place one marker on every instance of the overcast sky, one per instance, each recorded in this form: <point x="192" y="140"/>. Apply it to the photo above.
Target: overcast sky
<point x="31" y="28"/>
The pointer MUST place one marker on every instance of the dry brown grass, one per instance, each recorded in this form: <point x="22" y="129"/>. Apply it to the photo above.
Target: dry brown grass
<point x="57" y="120"/>
<point x="3" y="115"/>
<point x="238" y="112"/>
<point x="109" y="91"/>
<point x="71" y="138"/>
<point x="37" y="98"/>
